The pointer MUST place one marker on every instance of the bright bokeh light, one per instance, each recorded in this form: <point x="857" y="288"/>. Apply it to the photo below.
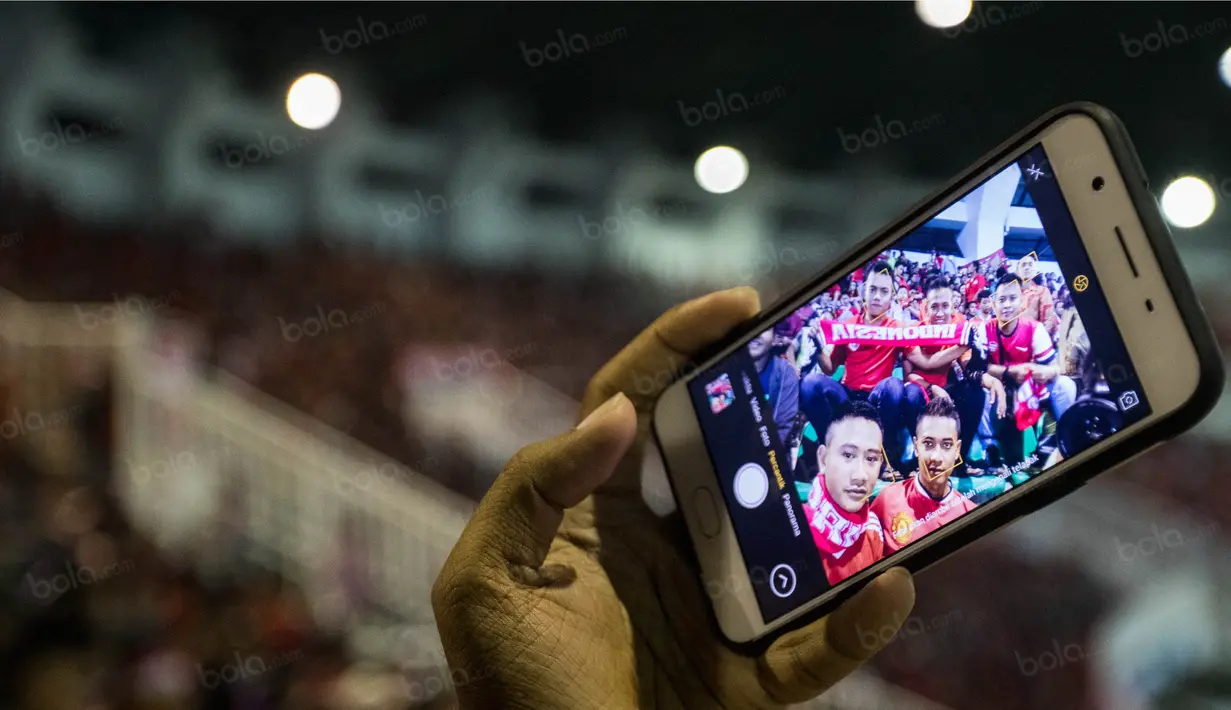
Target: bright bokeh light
<point x="1188" y="202"/>
<point x="1224" y="67"/>
<point x="721" y="169"/>
<point x="943" y="13"/>
<point x="313" y="101"/>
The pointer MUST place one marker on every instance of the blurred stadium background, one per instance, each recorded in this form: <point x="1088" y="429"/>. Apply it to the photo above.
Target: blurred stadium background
<point x="254" y="375"/>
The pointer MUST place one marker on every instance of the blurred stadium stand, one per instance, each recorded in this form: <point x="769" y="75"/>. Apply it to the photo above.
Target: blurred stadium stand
<point x="246" y="485"/>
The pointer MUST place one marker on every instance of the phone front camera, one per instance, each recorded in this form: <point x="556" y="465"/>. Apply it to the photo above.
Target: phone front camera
<point x="1097" y="183"/>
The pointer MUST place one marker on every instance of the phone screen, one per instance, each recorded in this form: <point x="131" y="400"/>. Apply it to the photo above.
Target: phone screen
<point x="972" y="355"/>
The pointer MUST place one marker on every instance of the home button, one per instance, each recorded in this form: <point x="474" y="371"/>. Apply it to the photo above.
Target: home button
<point x="707" y="512"/>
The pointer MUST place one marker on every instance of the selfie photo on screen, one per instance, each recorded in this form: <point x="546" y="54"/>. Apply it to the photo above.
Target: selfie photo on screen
<point x="943" y="372"/>
<point x="953" y="352"/>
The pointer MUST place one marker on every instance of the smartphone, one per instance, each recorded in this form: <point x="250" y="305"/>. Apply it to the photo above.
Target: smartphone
<point x="1023" y="329"/>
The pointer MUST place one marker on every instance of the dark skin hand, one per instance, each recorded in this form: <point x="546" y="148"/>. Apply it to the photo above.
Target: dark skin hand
<point x="565" y="591"/>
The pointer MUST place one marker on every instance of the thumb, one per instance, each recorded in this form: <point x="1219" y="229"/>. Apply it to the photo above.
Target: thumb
<point x="516" y="521"/>
<point x="806" y="662"/>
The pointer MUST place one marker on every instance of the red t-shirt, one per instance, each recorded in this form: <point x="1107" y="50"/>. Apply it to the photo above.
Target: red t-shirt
<point x="939" y="376"/>
<point x="974" y="287"/>
<point x="847" y="542"/>
<point x="1028" y="343"/>
<point x="907" y="512"/>
<point x="867" y="365"/>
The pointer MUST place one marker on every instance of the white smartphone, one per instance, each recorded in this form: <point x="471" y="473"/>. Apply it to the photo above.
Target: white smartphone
<point x="1024" y="329"/>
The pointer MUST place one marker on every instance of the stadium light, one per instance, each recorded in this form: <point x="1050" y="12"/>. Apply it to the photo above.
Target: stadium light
<point x="313" y="101"/>
<point x="943" y="13"/>
<point x="721" y="169"/>
<point x="1224" y="67"/>
<point x="1188" y="202"/>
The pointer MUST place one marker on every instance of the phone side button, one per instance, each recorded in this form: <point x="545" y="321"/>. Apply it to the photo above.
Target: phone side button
<point x="706" y="508"/>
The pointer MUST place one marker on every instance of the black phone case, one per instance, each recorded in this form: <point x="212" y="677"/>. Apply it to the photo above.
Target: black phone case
<point x="1209" y="386"/>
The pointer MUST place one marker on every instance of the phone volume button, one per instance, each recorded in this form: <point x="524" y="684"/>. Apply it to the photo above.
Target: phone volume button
<point x="706" y="509"/>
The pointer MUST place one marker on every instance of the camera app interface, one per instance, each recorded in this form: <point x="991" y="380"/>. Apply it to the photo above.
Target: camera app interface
<point x="972" y="355"/>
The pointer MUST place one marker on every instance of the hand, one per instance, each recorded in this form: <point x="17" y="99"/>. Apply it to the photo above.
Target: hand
<point x="996" y="387"/>
<point x="1019" y="373"/>
<point x="819" y="332"/>
<point x="939" y="392"/>
<point x="1043" y="374"/>
<point x="565" y="591"/>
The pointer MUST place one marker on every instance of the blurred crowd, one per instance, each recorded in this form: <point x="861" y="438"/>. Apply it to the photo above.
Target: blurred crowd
<point x="254" y="307"/>
<point x="1047" y="298"/>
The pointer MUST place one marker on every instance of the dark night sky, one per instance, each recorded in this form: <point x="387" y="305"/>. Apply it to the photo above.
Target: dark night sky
<point x="840" y="64"/>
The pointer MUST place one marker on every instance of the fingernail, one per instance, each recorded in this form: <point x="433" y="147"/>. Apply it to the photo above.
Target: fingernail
<point x="605" y="410"/>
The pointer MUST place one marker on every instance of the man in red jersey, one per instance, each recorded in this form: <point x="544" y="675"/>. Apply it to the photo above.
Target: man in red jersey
<point x="1020" y="348"/>
<point x="847" y="536"/>
<point x="910" y="509"/>
<point x="976" y="284"/>
<point x="869" y="371"/>
<point x="964" y="380"/>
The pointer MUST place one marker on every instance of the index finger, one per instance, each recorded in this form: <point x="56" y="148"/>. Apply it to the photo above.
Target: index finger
<point x="644" y="368"/>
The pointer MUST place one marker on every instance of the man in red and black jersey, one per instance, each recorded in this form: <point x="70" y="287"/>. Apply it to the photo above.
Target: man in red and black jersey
<point x="869" y="371"/>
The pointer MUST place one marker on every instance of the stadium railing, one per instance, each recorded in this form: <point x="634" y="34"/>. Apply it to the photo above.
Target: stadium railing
<point x="195" y="448"/>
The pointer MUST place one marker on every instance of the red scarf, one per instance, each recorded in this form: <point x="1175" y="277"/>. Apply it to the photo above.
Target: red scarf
<point x="834" y="529"/>
<point x="837" y="333"/>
